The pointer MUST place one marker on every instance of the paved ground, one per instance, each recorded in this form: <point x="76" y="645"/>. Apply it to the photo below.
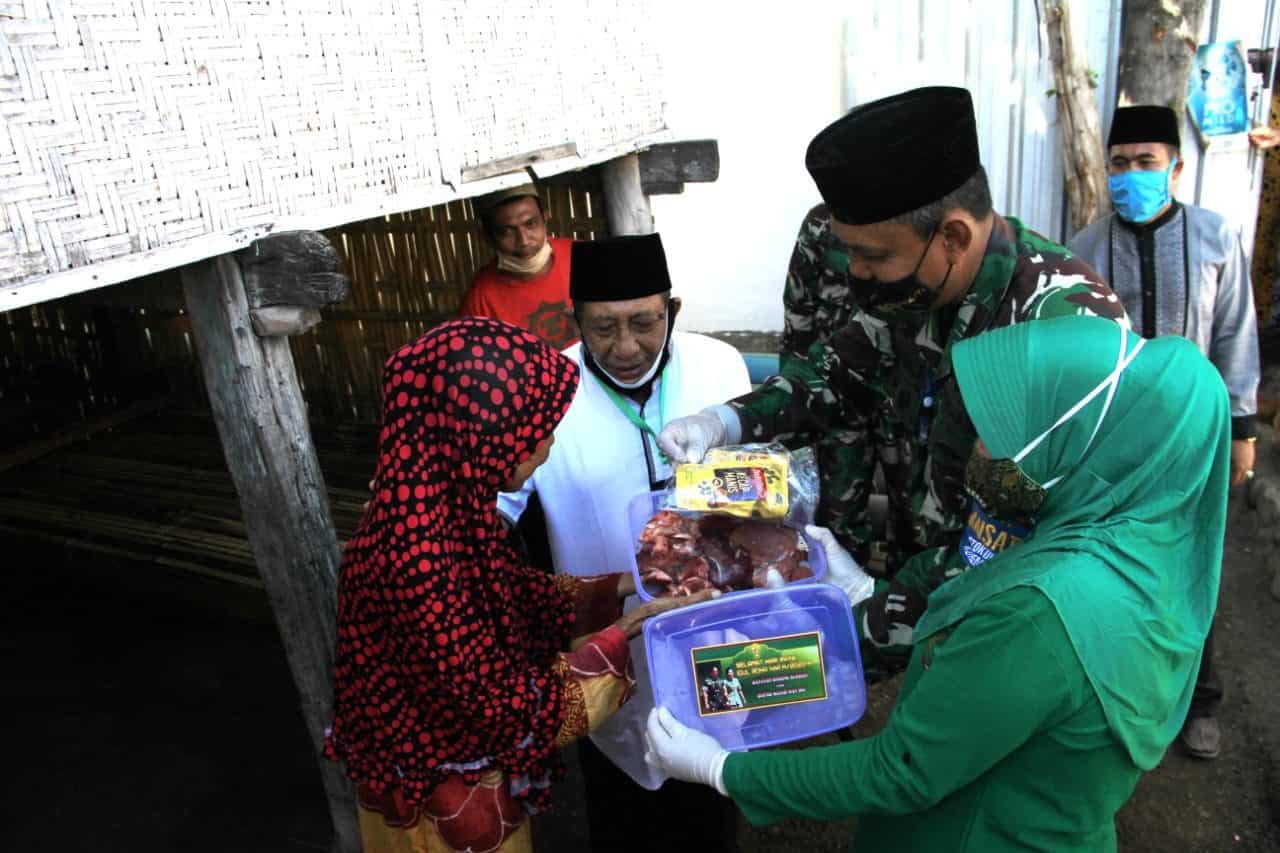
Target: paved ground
<point x="146" y="712"/>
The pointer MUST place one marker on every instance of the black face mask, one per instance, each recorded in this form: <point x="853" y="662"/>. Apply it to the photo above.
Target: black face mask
<point x="905" y="296"/>
<point x="1003" y="509"/>
<point x="1003" y="489"/>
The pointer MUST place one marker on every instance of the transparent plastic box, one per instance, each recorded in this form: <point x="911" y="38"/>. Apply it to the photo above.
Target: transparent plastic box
<point x="646" y="505"/>
<point x="775" y="640"/>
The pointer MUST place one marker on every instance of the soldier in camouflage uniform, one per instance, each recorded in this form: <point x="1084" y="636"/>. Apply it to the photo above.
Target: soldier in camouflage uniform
<point x="904" y="185"/>
<point x="817" y="301"/>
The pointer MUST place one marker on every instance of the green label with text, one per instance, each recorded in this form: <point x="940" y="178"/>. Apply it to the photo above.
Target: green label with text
<point x="759" y="673"/>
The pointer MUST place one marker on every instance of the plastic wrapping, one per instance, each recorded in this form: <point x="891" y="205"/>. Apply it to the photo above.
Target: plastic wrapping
<point x="733" y="522"/>
<point x="761" y="481"/>
<point x="648" y="507"/>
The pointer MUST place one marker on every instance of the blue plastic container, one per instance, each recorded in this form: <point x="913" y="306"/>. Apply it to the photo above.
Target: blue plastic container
<point x="733" y="629"/>
<point x="644" y="506"/>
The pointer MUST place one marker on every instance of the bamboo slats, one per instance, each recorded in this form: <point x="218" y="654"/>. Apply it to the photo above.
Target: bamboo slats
<point x="156" y="491"/>
<point x="409" y="272"/>
<point x="69" y="360"/>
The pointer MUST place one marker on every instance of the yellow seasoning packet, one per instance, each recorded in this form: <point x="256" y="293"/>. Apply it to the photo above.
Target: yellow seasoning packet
<point x="745" y="483"/>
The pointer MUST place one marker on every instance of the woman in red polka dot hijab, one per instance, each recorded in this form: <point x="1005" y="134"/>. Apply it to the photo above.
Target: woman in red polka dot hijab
<point x="453" y="684"/>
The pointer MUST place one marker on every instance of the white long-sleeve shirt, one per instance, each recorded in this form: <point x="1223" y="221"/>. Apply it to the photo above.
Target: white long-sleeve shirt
<point x="600" y="461"/>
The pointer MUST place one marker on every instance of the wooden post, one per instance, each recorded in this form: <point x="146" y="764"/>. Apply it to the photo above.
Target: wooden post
<point x="665" y="169"/>
<point x="262" y="420"/>
<point x="1078" y="125"/>
<point x="625" y="204"/>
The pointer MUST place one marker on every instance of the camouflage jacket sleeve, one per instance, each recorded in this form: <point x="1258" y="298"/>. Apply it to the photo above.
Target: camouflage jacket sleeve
<point x="927" y="570"/>
<point x="816" y="388"/>
<point x="799" y="303"/>
<point x="1049" y="281"/>
<point x="832" y="386"/>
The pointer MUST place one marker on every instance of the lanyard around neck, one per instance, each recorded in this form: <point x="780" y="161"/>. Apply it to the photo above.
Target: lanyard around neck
<point x="632" y="415"/>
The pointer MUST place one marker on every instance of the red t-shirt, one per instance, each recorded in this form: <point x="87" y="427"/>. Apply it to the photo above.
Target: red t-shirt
<point x="540" y="304"/>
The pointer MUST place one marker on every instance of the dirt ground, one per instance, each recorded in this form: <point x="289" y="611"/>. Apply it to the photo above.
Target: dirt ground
<point x="153" y="712"/>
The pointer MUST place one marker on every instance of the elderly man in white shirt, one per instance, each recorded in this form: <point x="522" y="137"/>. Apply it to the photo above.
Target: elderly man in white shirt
<point x="637" y="375"/>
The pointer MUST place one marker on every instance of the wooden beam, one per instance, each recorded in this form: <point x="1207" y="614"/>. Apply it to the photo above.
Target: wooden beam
<point x="262" y="421"/>
<point x="695" y="161"/>
<point x="517" y="162"/>
<point x="293" y="268"/>
<point x="625" y="204"/>
<point x="579" y="179"/>
<point x="663" y="187"/>
<point x="279" y="321"/>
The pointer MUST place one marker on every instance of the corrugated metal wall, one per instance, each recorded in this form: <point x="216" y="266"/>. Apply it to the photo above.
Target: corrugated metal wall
<point x="995" y="49"/>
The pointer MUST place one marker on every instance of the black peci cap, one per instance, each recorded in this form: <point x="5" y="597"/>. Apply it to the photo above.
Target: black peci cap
<point x="1144" y="124"/>
<point x="895" y="155"/>
<point x="618" y="268"/>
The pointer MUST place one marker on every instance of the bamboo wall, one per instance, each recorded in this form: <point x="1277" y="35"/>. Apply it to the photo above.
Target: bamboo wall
<point x="409" y="272"/>
<point x="70" y="359"/>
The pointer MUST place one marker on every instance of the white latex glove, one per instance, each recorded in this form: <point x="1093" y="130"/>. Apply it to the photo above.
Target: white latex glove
<point x="682" y="753"/>
<point x="842" y="570"/>
<point x="689" y="438"/>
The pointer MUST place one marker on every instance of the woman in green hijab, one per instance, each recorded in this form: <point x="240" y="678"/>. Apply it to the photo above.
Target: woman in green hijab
<point x="1047" y="678"/>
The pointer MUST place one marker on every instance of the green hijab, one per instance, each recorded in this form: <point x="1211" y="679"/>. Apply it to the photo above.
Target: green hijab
<point x="1128" y="546"/>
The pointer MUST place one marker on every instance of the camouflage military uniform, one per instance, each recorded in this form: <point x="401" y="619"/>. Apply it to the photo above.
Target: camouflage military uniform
<point x="818" y="301"/>
<point x="899" y="370"/>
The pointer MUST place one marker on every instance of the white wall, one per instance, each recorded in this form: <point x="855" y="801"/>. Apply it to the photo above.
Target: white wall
<point x="1227" y="176"/>
<point x="762" y="83"/>
<point x="763" y="79"/>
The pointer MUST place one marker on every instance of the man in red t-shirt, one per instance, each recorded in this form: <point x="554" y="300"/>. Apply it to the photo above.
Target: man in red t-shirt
<point x="527" y="284"/>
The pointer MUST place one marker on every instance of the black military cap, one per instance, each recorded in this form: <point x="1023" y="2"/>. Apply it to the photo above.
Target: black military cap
<point x="618" y="268"/>
<point x="1144" y="124"/>
<point x="895" y="155"/>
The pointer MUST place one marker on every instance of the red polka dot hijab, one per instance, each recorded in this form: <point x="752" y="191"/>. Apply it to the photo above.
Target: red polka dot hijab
<point x="445" y="635"/>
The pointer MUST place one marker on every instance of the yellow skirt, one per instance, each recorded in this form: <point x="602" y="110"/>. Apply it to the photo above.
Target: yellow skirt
<point x="478" y="818"/>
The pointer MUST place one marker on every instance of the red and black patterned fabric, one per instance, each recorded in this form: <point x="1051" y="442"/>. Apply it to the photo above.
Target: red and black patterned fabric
<point x="446" y="637"/>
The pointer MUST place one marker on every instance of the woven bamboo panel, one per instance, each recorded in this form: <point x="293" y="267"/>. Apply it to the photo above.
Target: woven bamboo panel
<point x="136" y="125"/>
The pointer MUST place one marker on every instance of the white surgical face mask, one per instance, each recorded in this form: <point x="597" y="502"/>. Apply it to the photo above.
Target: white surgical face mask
<point x="526" y="266"/>
<point x="648" y="375"/>
<point x="1109" y="384"/>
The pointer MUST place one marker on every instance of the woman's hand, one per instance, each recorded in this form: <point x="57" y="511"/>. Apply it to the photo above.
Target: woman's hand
<point x="634" y="621"/>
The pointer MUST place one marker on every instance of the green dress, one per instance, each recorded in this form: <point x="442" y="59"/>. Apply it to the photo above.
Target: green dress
<point x="1003" y="746"/>
<point x="1047" y="678"/>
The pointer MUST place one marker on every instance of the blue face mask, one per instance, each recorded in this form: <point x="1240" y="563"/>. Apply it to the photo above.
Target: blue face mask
<point x="1138" y="195"/>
